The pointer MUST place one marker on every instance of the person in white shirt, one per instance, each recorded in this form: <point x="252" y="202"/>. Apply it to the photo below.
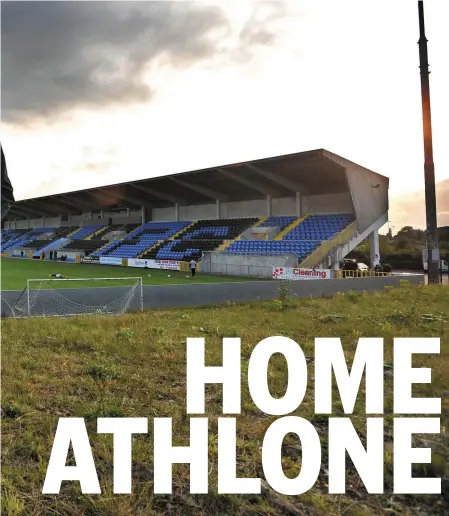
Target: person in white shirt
<point x="192" y="266"/>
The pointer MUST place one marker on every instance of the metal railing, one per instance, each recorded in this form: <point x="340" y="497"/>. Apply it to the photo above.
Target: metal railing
<point x="323" y="251"/>
<point x="361" y="274"/>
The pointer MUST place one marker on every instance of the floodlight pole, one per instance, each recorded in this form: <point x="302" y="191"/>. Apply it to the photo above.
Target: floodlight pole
<point x="429" y="168"/>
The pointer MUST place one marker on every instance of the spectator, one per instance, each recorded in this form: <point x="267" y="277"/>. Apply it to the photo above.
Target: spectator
<point x="192" y="266"/>
<point x="51" y="255"/>
<point x="55" y="255"/>
<point x="21" y="253"/>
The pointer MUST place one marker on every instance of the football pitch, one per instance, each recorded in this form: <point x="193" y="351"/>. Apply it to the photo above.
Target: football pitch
<point x="16" y="271"/>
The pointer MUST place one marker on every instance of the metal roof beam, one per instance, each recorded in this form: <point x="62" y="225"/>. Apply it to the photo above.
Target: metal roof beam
<point x="23" y="209"/>
<point x="62" y="207"/>
<point x="213" y="194"/>
<point x="20" y="211"/>
<point x="134" y="201"/>
<point x="79" y="205"/>
<point x="44" y="208"/>
<point x="161" y="195"/>
<point x="251" y="184"/>
<point x="294" y="186"/>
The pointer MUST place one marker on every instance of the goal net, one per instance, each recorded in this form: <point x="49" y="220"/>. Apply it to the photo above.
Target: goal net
<point x="78" y="296"/>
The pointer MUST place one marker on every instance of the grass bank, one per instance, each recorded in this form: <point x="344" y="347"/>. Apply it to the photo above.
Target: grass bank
<point x="135" y="366"/>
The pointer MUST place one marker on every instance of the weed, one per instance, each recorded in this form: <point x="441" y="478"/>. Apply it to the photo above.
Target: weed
<point x="98" y="372"/>
<point x="125" y="333"/>
<point x="333" y="318"/>
<point x="284" y="294"/>
<point x="11" y="411"/>
<point x="353" y="296"/>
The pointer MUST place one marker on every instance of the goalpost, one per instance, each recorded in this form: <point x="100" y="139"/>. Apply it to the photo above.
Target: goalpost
<point x="64" y="297"/>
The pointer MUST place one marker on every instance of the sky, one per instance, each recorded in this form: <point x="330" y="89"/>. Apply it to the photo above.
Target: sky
<point x="95" y="93"/>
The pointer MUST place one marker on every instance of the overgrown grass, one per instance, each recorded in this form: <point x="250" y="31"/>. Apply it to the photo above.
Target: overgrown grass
<point x="135" y="366"/>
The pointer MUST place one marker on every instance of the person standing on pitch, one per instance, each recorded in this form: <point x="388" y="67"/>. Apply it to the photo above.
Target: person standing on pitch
<point x="192" y="266"/>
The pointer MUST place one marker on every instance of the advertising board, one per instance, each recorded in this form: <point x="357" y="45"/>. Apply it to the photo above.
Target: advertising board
<point x="170" y="265"/>
<point x="90" y="259"/>
<point x="290" y="273"/>
<point x="110" y="260"/>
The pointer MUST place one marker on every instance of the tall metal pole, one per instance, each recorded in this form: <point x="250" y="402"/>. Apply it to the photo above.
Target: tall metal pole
<point x="429" y="168"/>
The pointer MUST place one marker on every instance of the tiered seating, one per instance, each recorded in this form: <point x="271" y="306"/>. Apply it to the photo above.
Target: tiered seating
<point x="302" y="240"/>
<point x="23" y="238"/>
<point x="280" y="222"/>
<point x="185" y="249"/>
<point x="88" y="246"/>
<point x="130" y="227"/>
<point x="204" y="235"/>
<point x="85" y="232"/>
<point x="9" y="236"/>
<point x="58" y="239"/>
<point x="107" y="229"/>
<point x="273" y="247"/>
<point x="39" y="244"/>
<point x="104" y="248"/>
<point x="319" y="227"/>
<point x="142" y="238"/>
<point x="63" y="232"/>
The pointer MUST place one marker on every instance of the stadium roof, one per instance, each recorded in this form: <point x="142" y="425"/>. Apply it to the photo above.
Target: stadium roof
<point x="312" y="172"/>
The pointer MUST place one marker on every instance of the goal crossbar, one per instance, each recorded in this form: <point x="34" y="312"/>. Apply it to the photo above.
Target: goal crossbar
<point x="136" y="278"/>
<point x="138" y="286"/>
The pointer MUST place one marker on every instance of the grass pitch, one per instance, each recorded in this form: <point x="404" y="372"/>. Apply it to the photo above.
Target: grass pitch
<point x="135" y="366"/>
<point x="15" y="272"/>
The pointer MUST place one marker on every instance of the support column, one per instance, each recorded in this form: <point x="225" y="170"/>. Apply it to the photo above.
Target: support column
<point x="374" y="248"/>
<point x="268" y="205"/>
<point x="127" y="212"/>
<point x="218" y="206"/>
<point x="298" y="204"/>
<point x="142" y="213"/>
<point x="177" y="212"/>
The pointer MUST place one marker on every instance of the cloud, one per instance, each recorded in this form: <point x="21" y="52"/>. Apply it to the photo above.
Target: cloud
<point x="60" y="55"/>
<point x="410" y="210"/>
<point x="259" y="27"/>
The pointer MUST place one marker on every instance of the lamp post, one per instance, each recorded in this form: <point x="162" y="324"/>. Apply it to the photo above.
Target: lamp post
<point x="433" y="258"/>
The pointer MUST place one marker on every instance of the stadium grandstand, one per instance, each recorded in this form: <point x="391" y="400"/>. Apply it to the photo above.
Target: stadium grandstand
<point x="314" y="207"/>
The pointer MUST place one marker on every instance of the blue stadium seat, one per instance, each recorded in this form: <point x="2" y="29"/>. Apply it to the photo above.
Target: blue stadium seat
<point x="84" y="232"/>
<point x="301" y="241"/>
<point x="142" y="239"/>
<point x="204" y="235"/>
